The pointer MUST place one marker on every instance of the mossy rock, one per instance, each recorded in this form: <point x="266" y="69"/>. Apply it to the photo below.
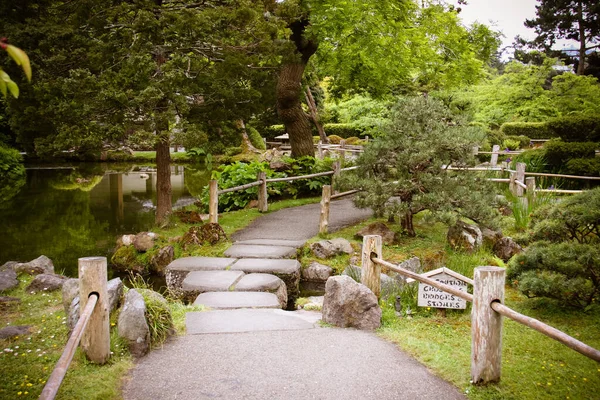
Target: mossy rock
<point x="126" y="259"/>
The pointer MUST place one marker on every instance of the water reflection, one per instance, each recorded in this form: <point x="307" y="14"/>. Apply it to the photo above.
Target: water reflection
<point x="70" y="213"/>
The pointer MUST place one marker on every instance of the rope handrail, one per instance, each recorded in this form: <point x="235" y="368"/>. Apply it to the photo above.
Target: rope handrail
<point x="241" y="187"/>
<point x="446" y="288"/>
<point x="293" y="178"/>
<point x="60" y="370"/>
<point x="547" y="330"/>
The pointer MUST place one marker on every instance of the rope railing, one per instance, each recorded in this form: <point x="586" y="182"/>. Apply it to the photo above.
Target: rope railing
<point x="487" y="298"/>
<point x="92" y="330"/>
<point x="60" y="370"/>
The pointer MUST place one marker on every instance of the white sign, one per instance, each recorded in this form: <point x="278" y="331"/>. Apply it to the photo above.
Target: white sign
<point x="430" y="296"/>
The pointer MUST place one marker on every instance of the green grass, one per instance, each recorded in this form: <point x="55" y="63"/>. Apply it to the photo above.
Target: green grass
<point x="27" y="361"/>
<point x="151" y="156"/>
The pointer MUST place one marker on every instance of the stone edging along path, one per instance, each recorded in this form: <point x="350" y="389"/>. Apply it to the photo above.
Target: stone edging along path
<point x="234" y="352"/>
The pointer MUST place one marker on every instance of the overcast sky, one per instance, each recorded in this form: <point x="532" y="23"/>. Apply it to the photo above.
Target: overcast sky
<point x="506" y="16"/>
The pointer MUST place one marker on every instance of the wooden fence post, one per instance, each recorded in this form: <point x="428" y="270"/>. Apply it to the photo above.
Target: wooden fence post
<point x="530" y="182"/>
<point x="371" y="272"/>
<point x="320" y="150"/>
<point x="494" y="159"/>
<point x="93" y="278"/>
<point x="263" y="206"/>
<point x="521" y="178"/>
<point x="213" y="202"/>
<point x="325" y="201"/>
<point x="342" y="150"/>
<point x="486" y="325"/>
<point x="337" y="166"/>
<point x="512" y="186"/>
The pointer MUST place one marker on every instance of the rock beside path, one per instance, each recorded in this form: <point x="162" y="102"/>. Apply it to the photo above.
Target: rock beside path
<point x="350" y="304"/>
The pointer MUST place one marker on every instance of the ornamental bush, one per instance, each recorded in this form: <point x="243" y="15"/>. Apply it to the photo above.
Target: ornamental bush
<point x="576" y="129"/>
<point x="255" y="138"/>
<point x="533" y="130"/>
<point x="564" y="261"/>
<point x="557" y="152"/>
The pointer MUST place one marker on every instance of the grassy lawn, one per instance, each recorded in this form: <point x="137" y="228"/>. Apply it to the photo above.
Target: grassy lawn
<point x="533" y="367"/>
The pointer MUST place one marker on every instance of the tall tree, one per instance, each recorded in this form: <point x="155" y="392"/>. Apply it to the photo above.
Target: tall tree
<point x="577" y="20"/>
<point x="376" y="46"/>
<point x="124" y="66"/>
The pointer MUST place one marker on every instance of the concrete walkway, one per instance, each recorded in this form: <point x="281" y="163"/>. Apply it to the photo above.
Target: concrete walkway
<point x="276" y="354"/>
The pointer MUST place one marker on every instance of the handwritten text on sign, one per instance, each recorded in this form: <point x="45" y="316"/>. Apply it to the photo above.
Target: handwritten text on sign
<point x="434" y="297"/>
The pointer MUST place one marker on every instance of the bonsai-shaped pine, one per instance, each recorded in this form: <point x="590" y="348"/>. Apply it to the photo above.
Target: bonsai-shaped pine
<point x="404" y="171"/>
<point x="563" y="263"/>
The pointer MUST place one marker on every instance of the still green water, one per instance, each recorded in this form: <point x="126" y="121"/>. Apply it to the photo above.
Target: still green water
<point x="78" y="211"/>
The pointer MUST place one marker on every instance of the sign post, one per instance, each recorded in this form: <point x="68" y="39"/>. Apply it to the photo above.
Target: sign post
<point x="430" y="296"/>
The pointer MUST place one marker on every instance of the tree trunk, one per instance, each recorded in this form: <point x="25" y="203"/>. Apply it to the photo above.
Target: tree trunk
<point x="312" y="106"/>
<point x="407" y="223"/>
<point x="289" y="91"/>
<point x="582" y="55"/>
<point x="247" y="145"/>
<point x="163" y="178"/>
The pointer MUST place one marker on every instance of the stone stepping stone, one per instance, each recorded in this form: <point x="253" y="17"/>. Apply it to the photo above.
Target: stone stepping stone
<point x="273" y="242"/>
<point x="234" y="321"/>
<point x="232" y="300"/>
<point x="260" y="251"/>
<point x="211" y="281"/>
<point x="177" y="270"/>
<point x="268" y="266"/>
<point x="258" y="283"/>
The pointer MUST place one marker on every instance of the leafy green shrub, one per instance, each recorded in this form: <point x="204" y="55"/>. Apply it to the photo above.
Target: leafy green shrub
<point x="255" y="138"/>
<point x="495" y="136"/>
<point x="334" y="139"/>
<point x="341" y="130"/>
<point x="583" y="166"/>
<point x="564" y="262"/>
<point x="524" y="141"/>
<point x="534" y="158"/>
<point x="232" y="151"/>
<point x="533" y="130"/>
<point x="511" y="144"/>
<point x="576" y="129"/>
<point x="12" y="173"/>
<point x="557" y="152"/>
<point x="354" y="141"/>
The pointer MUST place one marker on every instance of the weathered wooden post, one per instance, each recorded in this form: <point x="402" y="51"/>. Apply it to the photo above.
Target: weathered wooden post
<point x="263" y="206"/>
<point x="213" y="202"/>
<point x="512" y="186"/>
<point x="494" y="158"/>
<point x="337" y="166"/>
<point x="325" y="201"/>
<point x="95" y="340"/>
<point x="475" y="150"/>
<point x="521" y="178"/>
<point x="371" y="272"/>
<point x="320" y="150"/>
<point x="342" y="149"/>
<point x="486" y="325"/>
<point x="530" y="182"/>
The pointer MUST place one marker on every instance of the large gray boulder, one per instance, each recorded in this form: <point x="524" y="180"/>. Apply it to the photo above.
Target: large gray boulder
<point x="70" y="298"/>
<point x="41" y="265"/>
<point x="316" y="272"/>
<point x="8" y="279"/>
<point x="132" y="324"/>
<point x="388" y="236"/>
<point x="8" y="265"/>
<point x="144" y="241"/>
<point x="463" y="236"/>
<point x="505" y="248"/>
<point x="490" y="237"/>
<point x="350" y="304"/>
<point x="331" y="248"/>
<point x="46" y="282"/>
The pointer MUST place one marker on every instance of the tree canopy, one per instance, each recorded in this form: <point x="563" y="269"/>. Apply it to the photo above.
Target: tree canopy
<point x="577" y="20"/>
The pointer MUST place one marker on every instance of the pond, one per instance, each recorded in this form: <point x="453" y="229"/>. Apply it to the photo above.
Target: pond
<point x="68" y="212"/>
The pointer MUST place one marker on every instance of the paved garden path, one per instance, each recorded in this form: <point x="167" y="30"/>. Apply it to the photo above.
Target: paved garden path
<point x="277" y="354"/>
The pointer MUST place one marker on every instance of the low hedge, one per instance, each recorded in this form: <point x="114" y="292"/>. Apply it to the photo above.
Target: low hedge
<point x="342" y="130"/>
<point x="576" y="129"/>
<point x="558" y="153"/>
<point x="533" y="130"/>
<point x="584" y="166"/>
